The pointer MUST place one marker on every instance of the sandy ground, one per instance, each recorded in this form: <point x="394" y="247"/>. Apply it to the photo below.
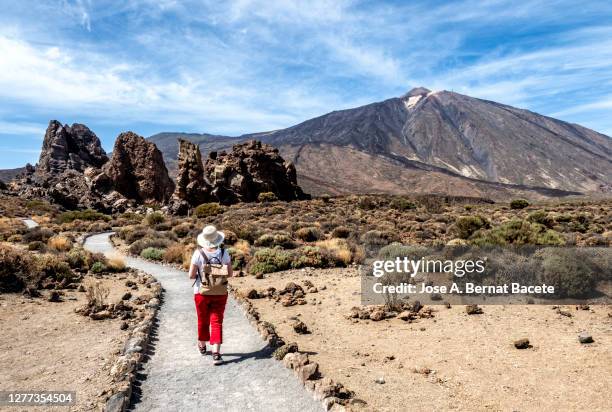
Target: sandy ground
<point x="47" y="346"/>
<point x="473" y="363"/>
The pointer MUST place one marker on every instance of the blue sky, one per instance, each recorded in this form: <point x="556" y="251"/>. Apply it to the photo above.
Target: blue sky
<point x="243" y="66"/>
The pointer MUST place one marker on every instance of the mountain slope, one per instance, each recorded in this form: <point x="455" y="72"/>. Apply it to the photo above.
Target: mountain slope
<point x="470" y="137"/>
<point x="435" y="142"/>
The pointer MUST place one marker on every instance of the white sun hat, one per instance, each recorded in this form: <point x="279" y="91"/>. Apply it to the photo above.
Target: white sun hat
<point x="210" y="237"/>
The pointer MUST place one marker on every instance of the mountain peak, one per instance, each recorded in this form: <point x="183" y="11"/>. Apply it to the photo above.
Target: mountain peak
<point x="417" y="91"/>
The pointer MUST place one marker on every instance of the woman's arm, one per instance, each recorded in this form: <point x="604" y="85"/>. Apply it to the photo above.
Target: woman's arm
<point x="230" y="271"/>
<point x="193" y="270"/>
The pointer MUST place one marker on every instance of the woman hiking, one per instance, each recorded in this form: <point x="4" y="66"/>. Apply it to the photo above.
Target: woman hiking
<point x="211" y="265"/>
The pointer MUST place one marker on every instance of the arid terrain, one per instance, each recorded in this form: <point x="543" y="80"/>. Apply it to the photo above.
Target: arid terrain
<point x="451" y="361"/>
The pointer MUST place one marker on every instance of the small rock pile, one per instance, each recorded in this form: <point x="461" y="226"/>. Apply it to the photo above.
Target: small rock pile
<point x="292" y="294"/>
<point x="407" y="312"/>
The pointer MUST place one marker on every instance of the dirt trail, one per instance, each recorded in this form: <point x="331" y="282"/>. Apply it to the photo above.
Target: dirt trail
<point x="177" y="377"/>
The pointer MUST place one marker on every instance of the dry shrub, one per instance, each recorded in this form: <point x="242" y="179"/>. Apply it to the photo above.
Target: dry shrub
<point x="96" y="294"/>
<point x="339" y="249"/>
<point x="175" y="253"/>
<point x="60" y="243"/>
<point x="115" y="262"/>
<point x="15" y="268"/>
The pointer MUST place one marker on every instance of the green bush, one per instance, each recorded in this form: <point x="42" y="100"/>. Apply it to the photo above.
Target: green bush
<point x="311" y="256"/>
<point x="466" y="226"/>
<point x="87" y="214"/>
<point x="518" y="232"/>
<point x="519" y="204"/>
<point x="269" y="260"/>
<point x="401" y="204"/>
<point x="137" y="247"/>
<point x="207" y="210"/>
<point x="275" y="239"/>
<point x="182" y="229"/>
<point x="377" y="238"/>
<point x="37" y="245"/>
<point x="38" y="234"/>
<point x="152" y="253"/>
<point x="78" y="258"/>
<point x="264" y="197"/>
<point x="308" y="234"/>
<point x="154" y="218"/>
<point x="571" y="271"/>
<point x="98" y="267"/>
<point x="541" y="217"/>
<point x="54" y="267"/>
<point x="239" y="259"/>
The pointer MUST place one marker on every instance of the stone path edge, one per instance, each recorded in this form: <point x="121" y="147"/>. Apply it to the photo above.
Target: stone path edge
<point x="332" y="395"/>
<point x="322" y="389"/>
<point x="135" y="348"/>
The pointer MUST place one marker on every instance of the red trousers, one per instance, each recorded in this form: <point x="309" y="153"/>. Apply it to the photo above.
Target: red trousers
<point x="210" y="317"/>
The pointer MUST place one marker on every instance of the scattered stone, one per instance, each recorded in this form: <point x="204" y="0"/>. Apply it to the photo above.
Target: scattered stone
<point x="522" y="343"/>
<point x="81" y="288"/>
<point x="116" y="403"/>
<point x="126" y="296"/>
<point x="422" y="371"/>
<point x="253" y="294"/>
<point x="54" y="296"/>
<point x="377" y="315"/>
<point x="124" y="326"/>
<point x="473" y="310"/>
<point x="308" y="372"/>
<point x="300" y="327"/>
<point x="294" y="360"/>
<point x="564" y="313"/>
<point x="407" y="316"/>
<point x="101" y="315"/>
<point x="585" y="337"/>
<point x="380" y="381"/>
<point x="583" y="307"/>
<point x="281" y="352"/>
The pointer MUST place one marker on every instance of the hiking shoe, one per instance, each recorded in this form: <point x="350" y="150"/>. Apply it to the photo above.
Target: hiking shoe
<point x="202" y="349"/>
<point x="217" y="359"/>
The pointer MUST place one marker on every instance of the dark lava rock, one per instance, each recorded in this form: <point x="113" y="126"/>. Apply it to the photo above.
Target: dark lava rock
<point x="473" y="310"/>
<point x="249" y="169"/>
<point x="191" y="185"/>
<point x="585" y="337"/>
<point x="137" y="170"/>
<point x="522" y="343"/>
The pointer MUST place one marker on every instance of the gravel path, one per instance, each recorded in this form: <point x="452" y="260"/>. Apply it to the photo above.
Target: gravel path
<point x="177" y="377"/>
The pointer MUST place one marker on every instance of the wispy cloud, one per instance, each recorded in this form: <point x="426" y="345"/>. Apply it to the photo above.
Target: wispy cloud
<point x="252" y="65"/>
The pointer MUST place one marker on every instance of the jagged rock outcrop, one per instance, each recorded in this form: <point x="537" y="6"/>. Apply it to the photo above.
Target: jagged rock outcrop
<point x="69" y="147"/>
<point x="137" y="170"/>
<point x="75" y="172"/>
<point x="67" y="151"/>
<point x="249" y="169"/>
<point x="191" y="185"/>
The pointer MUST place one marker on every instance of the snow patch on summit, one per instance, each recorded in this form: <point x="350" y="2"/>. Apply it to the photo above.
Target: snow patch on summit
<point x="412" y="101"/>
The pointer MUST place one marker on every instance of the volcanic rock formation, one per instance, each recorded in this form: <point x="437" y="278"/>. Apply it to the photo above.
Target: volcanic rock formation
<point x="137" y="170"/>
<point x="249" y="169"/>
<point x="66" y="153"/>
<point x="191" y="184"/>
